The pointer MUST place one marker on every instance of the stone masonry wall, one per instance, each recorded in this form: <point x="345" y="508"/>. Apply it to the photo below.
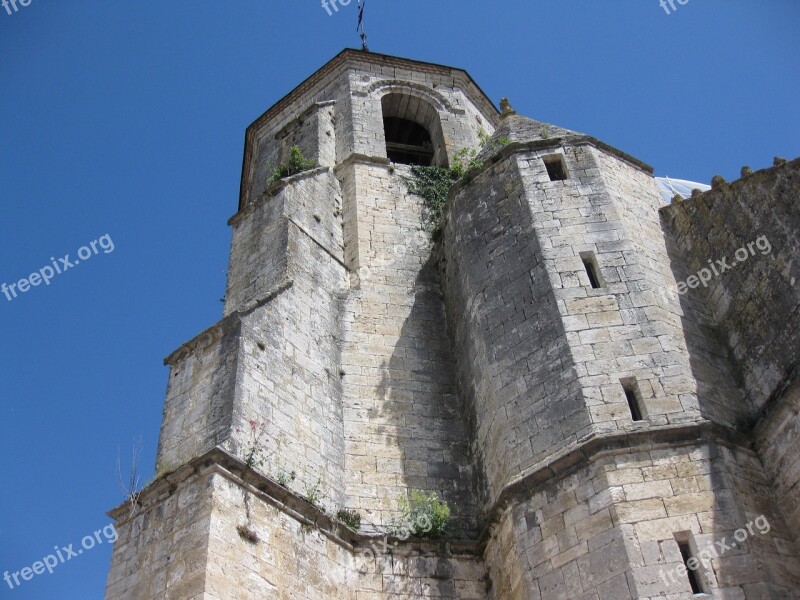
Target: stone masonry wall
<point x="274" y="360"/>
<point x="629" y="327"/>
<point x="313" y="129"/>
<point x="261" y="258"/>
<point x="287" y="560"/>
<point x="162" y="550"/>
<point x="402" y="413"/>
<point x="288" y="376"/>
<point x="755" y="302"/>
<point x="752" y="300"/>
<point x="292" y="559"/>
<point x="609" y="531"/>
<point x="778" y="443"/>
<point x="358" y="359"/>
<point x="632" y="326"/>
<point x="566" y="544"/>
<point x="516" y="372"/>
<point x="187" y="541"/>
<point x="198" y="409"/>
<point x="687" y="371"/>
<point x="404" y="427"/>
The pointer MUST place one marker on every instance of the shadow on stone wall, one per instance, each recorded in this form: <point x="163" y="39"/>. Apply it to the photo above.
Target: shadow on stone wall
<point x="418" y="394"/>
<point x="741" y="484"/>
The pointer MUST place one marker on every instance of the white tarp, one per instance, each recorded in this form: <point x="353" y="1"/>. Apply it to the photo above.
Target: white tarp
<point x="669" y="187"/>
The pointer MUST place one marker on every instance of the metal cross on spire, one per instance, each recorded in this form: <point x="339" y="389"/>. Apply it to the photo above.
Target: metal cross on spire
<point x="360" y="26"/>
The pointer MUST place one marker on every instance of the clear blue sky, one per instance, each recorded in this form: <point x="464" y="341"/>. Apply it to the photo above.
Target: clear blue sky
<point x="128" y="119"/>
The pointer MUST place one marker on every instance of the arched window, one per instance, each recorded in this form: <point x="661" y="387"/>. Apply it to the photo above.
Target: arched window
<point x="412" y="130"/>
<point x="407" y="142"/>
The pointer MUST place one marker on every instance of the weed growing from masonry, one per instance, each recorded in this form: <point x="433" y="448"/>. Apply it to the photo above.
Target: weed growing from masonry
<point x="425" y="515"/>
<point x="284" y="478"/>
<point x="313" y="494"/>
<point x="297" y="163"/>
<point x="433" y="184"/>
<point x="131" y="487"/>
<point x="254" y="453"/>
<point x="351" y="518"/>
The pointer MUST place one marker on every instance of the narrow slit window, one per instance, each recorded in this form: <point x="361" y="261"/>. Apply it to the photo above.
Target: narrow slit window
<point x="694" y="580"/>
<point x="592" y="270"/>
<point x="632" y="396"/>
<point x="556" y="168"/>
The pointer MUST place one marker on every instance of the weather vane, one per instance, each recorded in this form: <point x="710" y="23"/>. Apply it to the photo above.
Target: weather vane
<point x="360" y="26"/>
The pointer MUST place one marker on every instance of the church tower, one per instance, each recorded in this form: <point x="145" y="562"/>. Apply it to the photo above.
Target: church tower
<point x="532" y="366"/>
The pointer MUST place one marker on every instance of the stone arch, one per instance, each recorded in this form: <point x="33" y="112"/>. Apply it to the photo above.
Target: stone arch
<point x="389" y="86"/>
<point x="412" y="129"/>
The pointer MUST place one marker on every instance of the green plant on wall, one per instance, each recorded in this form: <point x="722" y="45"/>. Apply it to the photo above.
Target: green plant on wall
<point x="350" y="518"/>
<point x="284" y="477"/>
<point x="433" y="184"/>
<point x="424" y="515"/>
<point x="313" y="494"/>
<point x="255" y="454"/>
<point x="297" y="163"/>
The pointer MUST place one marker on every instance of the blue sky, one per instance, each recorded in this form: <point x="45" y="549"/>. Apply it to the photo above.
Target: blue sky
<point x="128" y="119"/>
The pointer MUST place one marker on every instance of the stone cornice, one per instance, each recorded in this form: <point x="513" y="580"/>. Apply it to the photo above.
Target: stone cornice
<point x="227" y="324"/>
<point x="272" y="191"/>
<point x="555" y="468"/>
<point x="596" y="446"/>
<point x="362" y="159"/>
<point x="219" y="461"/>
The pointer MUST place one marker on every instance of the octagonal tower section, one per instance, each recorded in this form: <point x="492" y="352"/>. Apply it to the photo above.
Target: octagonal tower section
<point x="604" y="417"/>
<point x="403" y="415"/>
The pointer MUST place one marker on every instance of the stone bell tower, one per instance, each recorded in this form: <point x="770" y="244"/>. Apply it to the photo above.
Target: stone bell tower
<point x="530" y="367"/>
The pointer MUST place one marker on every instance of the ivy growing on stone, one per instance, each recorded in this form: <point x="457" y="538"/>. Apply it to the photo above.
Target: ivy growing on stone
<point x="433" y="184"/>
